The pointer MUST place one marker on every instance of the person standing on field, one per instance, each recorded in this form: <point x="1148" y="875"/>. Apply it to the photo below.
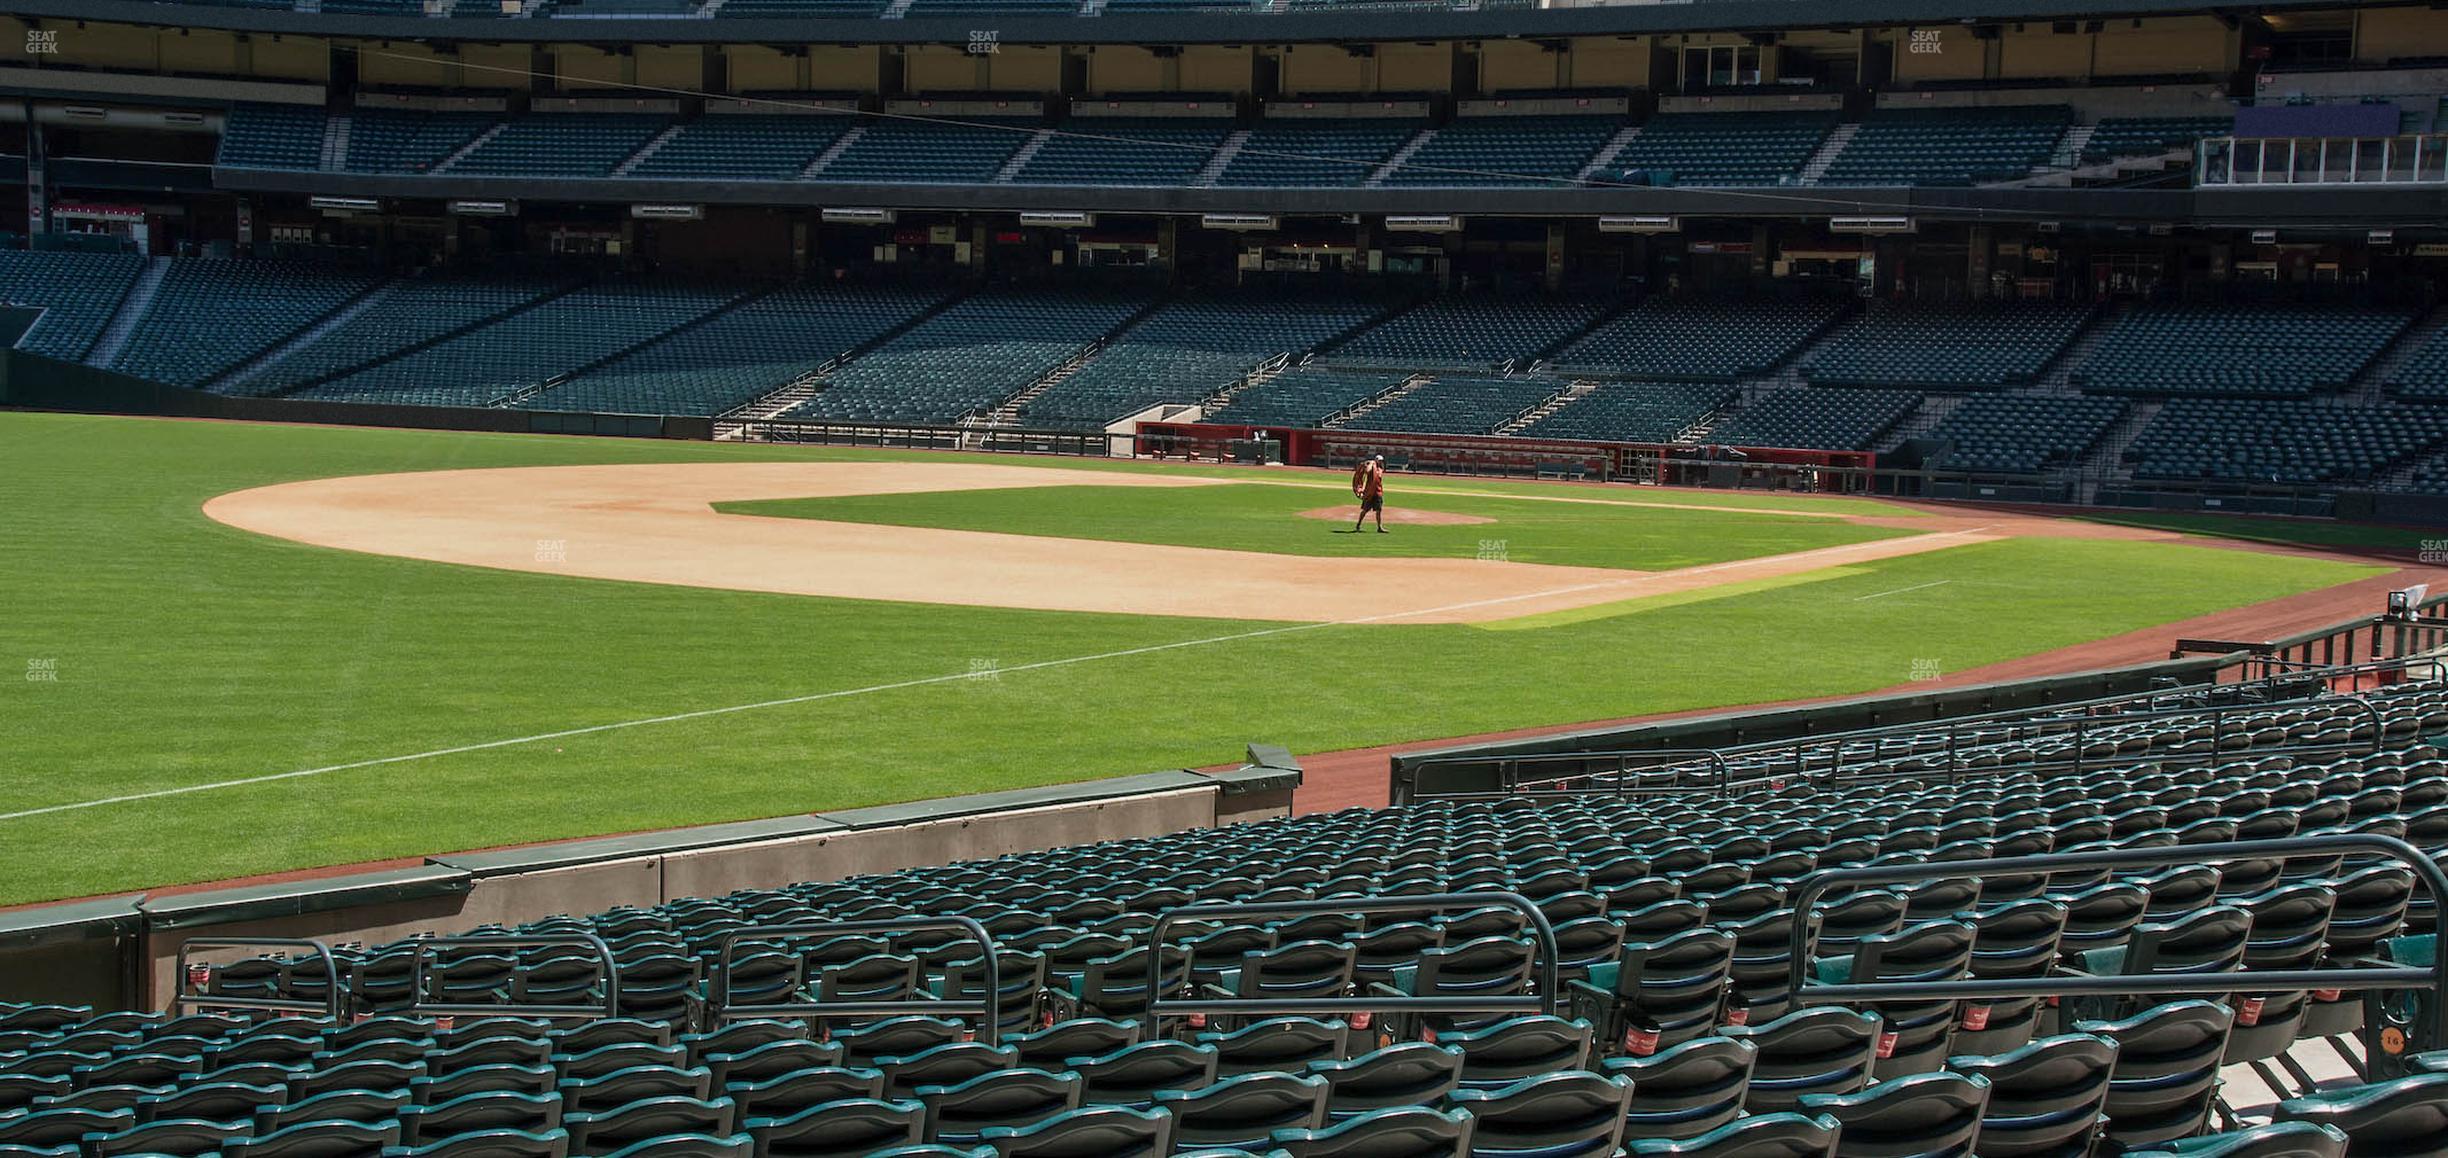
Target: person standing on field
<point x="1368" y="482"/>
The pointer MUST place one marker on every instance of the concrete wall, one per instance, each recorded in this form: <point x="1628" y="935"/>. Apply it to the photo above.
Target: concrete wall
<point x="514" y="897"/>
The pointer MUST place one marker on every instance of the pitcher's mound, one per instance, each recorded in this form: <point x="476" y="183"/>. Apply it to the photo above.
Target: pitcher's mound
<point x="1399" y="516"/>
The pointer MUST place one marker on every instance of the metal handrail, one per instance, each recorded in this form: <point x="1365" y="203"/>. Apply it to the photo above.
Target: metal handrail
<point x="1543" y="932"/>
<point x="422" y="949"/>
<point x="1512" y="784"/>
<point x="334" y="997"/>
<point x="1812" y="887"/>
<point x="987" y="1009"/>
<point x="2040" y="725"/>
<point x="2333" y="671"/>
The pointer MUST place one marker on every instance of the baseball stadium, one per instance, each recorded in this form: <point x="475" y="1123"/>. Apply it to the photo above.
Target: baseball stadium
<point x="1263" y="578"/>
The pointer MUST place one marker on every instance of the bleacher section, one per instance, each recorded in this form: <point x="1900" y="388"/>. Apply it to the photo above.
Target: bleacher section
<point x="2023" y="434"/>
<point x="408" y="314"/>
<point x="1283" y="152"/>
<point x="259" y="136"/>
<point x="212" y="314"/>
<point x="1188" y="350"/>
<point x="1897" y="146"/>
<point x="1808" y="419"/>
<point x="1125" y="151"/>
<point x="2251" y="440"/>
<point x="1650" y="412"/>
<point x="2424" y="373"/>
<point x="2140" y="136"/>
<point x="1679" y="1030"/>
<point x="927" y="152"/>
<point x="740" y="355"/>
<point x="1469" y="332"/>
<point x="1949" y="146"/>
<point x="1305" y="397"/>
<point x="1699" y="339"/>
<point x="1459" y="404"/>
<point x="745" y="146"/>
<point x="1750" y="148"/>
<point x="769" y="9"/>
<point x="409" y="140"/>
<point x="1947" y="346"/>
<point x="1509" y="151"/>
<point x="78" y="293"/>
<point x="923" y="8"/>
<point x="522" y="351"/>
<point x="2273" y="351"/>
<point x="561" y="145"/>
<point x="968" y="358"/>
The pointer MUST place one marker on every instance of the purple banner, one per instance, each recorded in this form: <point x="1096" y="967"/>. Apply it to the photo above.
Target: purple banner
<point x="2317" y="121"/>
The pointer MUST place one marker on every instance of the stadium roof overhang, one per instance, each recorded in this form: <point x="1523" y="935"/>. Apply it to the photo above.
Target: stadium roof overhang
<point x="1199" y="28"/>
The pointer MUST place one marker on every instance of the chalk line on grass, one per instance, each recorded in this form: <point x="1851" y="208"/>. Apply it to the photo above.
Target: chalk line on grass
<point x="1902" y="590"/>
<point x="900" y="685"/>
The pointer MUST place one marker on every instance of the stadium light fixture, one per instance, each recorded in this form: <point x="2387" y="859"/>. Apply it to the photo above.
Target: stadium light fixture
<point x="483" y="208"/>
<point x="858" y="216"/>
<point x="1648" y="224"/>
<point x="345" y="205"/>
<point x="1058" y="219"/>
<point x="1239" y="222"/>
<point x="1424" y="223"/>
<point x="667" y="212"/>
<point x="1870" y="224"/>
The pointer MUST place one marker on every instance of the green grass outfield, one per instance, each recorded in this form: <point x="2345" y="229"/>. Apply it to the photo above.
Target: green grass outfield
<point x="1266" y="517"/>
<point x="187" y="653"/>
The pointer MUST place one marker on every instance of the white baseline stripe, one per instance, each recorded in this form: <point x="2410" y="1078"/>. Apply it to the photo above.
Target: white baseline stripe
<point x="845" y="693"/>
<point x="1885" y="594"/>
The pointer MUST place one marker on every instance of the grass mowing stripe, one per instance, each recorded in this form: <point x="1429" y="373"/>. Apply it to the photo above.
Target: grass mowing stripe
<point x="1270" y="519"/>
<point x="188" y="651"/>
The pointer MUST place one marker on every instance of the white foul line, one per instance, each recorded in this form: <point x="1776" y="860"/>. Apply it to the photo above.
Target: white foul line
<point x="1856" y="599"/>
<point x="845" y="693"/>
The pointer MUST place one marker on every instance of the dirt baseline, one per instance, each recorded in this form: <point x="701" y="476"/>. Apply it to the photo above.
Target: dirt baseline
<point x="655" y="524"/>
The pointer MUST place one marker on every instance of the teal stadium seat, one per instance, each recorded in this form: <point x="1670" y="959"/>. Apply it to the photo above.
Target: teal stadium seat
<point x="565" y="334"/>
<point x="210" y="314"/>
<point x="1949" y="146"/>
<point x="1648" y="412"/>
<point x="2253" y="350"/>
<point x="1745" y="148"/>
<point x="967" y="358"/>
<point x="409" y="140"/>
<point x="78" y="293"/>
<point x="1469" y="331"/>
<point x="561" y="145"/>
<point x="1292" y="152"/>
<point x="1811" y="419"/>
<point x="1698" y="339"/>
<point x="1946" y="346"/>
<point x="1125" y="151"/>
<point x="1188" y="350"/>
<point x="745" y="146"/>
<point x="740" y="354"/>
<point x="1459" y="404"/>
<point x="1508" y="151"/>
<point x="260" y="136"/>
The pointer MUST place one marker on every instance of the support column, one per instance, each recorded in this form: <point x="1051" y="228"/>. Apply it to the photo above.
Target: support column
<point x="1979" y="250"/>
<point x="38" y="183"/>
